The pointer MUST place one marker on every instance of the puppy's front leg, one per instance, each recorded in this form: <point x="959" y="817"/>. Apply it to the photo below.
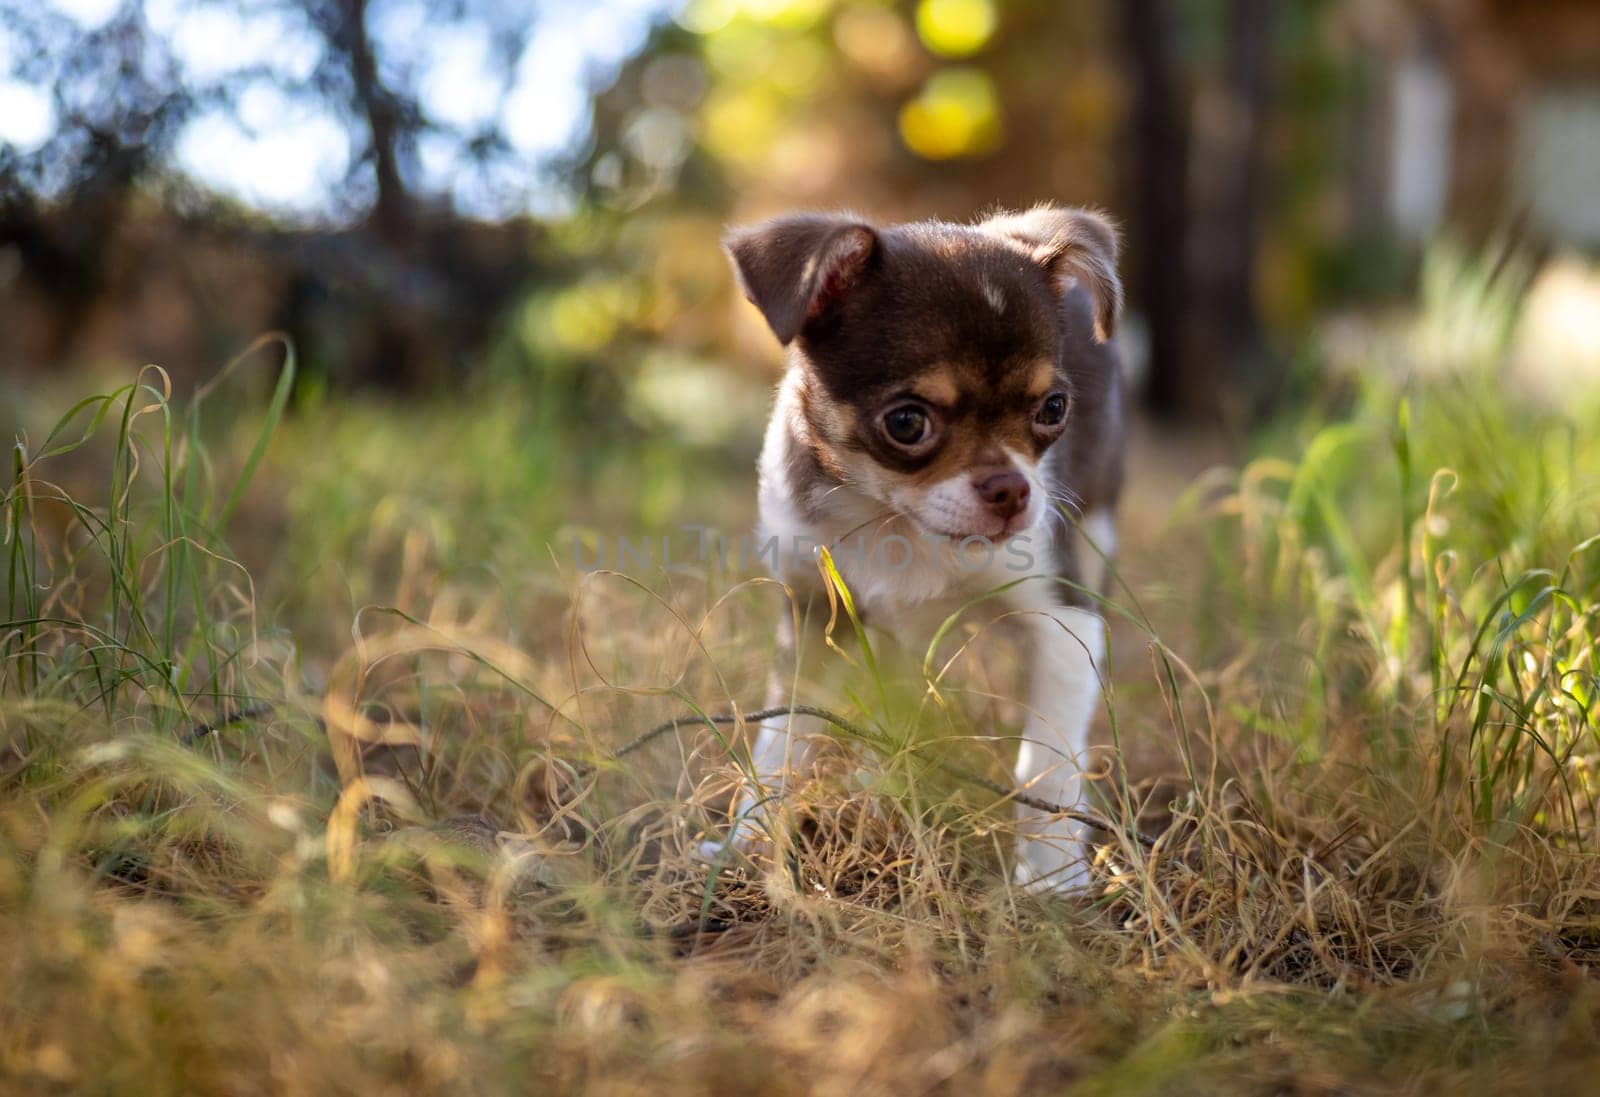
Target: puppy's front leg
<point x="785" y="745"/>
<point x="1066" y="652"/>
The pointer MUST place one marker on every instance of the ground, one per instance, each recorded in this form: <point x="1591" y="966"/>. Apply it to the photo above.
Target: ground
<point x="310" y="777"/>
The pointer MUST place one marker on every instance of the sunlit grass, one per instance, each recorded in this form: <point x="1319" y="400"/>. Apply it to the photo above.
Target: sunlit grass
<point x="309" y="774"/>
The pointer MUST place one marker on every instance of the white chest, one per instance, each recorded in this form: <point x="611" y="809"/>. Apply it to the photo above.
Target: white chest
<point x="896" y="573"/>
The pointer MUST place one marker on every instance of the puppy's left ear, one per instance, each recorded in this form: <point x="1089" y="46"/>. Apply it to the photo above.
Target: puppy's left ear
<point x="1076" y="247"/>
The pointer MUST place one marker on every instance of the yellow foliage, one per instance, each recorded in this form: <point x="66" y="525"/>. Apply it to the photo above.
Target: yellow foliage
<point x="957" y="114"/>
<point x="740" y="124"/>
<point x="956" y="28"/>
<point x="787" y="14"/>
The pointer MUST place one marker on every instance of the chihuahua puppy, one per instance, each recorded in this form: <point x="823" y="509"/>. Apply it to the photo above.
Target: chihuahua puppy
<point x="950" y="424"/>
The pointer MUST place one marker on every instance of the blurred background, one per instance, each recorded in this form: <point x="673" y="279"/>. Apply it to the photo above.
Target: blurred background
<point x="423" y="191"/>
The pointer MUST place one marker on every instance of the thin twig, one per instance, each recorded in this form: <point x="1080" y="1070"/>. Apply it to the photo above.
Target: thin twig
<point x="229" y="716"/>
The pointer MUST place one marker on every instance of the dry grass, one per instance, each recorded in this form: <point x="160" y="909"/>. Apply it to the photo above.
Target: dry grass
<point x="1360" y="736"/>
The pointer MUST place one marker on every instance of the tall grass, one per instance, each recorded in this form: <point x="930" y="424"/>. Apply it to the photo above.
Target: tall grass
<point x="342" y="810"/>
<point x="131" y="604"/>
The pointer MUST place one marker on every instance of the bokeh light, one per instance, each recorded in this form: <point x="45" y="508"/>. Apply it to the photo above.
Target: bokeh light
<point x="27" y="116"/>
<point x="787" y="14"/>
<point x="706" y="16"/>
<point x="876" y="40"/>
<point x="956" y="114"/>
<point x="740" y="124"/>
<point x="956" y="28"/>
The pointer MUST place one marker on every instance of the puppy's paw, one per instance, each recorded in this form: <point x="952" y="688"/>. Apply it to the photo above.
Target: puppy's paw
<point x="739" y="842"/>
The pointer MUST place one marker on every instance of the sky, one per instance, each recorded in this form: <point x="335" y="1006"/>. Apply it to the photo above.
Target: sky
<point x="286" y="153"/>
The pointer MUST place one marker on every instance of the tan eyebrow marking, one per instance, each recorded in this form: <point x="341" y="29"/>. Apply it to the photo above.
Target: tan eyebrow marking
<point x="1042" y="380"/>
<point x="937" y="387"/>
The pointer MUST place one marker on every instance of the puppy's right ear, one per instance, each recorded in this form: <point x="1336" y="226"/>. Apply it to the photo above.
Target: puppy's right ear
<point x="1076" y="247"/>
<point x="794" y="269"/>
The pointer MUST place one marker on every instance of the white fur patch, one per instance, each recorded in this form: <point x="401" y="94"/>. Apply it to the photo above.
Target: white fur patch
<point x="991" y="294"/>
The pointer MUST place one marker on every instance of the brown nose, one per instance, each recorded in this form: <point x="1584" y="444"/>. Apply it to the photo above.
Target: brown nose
<point x="1005" y="493"/>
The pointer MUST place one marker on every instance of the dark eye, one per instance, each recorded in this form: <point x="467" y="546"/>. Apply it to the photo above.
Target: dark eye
<point x="1052" y="411"/>
<point x="906" y="425"/>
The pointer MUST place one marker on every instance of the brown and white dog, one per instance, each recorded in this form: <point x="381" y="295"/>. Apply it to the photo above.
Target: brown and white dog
<point x="952" y="402"/>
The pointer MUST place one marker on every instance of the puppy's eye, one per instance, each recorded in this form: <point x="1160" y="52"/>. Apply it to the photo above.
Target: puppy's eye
<point x="1052" y="411"/>
<point x="906" y="425"/>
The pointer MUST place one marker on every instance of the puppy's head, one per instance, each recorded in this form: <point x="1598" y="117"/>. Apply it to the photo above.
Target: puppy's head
<point x="935" y="357"/>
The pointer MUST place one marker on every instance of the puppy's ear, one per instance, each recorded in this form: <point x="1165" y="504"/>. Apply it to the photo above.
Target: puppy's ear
<point x="794" y="269"/>
<point x="1076" y="246"/>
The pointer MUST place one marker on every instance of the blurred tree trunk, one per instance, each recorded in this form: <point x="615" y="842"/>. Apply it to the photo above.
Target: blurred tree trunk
<point x="1160" y="148"/>
<point x="1224" y="345"/>
<point x="1197" y="227"/>
<point x="391" y="211"/>
<point x="391" y="361"/>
